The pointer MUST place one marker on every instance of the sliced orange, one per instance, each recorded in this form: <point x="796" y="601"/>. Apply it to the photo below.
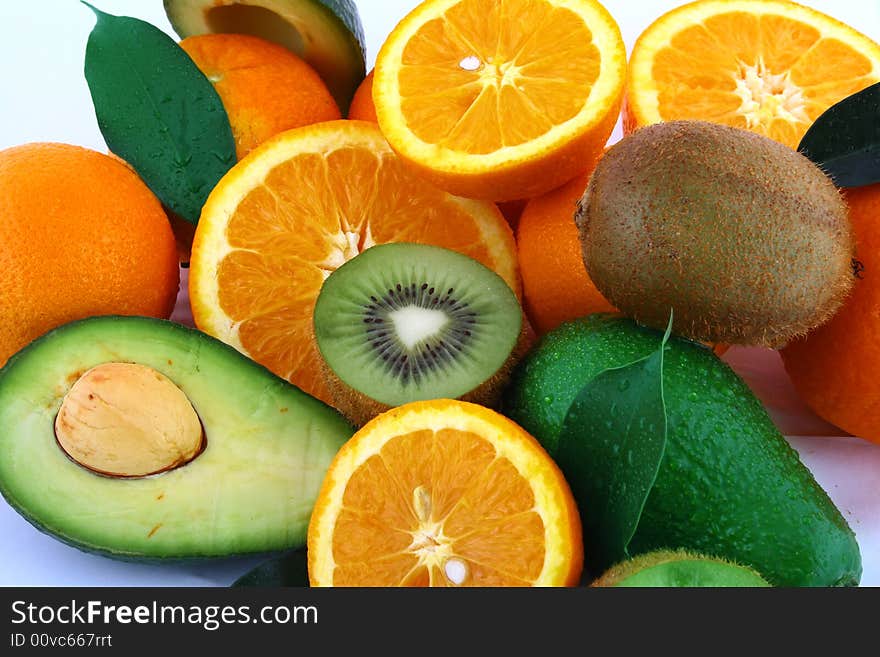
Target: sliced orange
<point x="299" y="206"/>
<point x="769" y="66"/>
<point x="444" y="493"/>
<point x="501" y="100"/>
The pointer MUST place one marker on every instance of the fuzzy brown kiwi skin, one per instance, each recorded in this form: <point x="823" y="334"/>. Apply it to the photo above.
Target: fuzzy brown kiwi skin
<point x="624" y="569"/>
<point x="360" y="409"/>
<point x="745" y="239"/>
<point x="619" y="572"/>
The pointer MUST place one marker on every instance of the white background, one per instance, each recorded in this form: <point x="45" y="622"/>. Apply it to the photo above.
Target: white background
<point x="43" y="97"/>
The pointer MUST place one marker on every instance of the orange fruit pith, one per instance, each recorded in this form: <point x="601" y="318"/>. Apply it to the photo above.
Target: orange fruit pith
<point x="362" y="108"/>
<point x="297" y="208"/>
<point x="834" y="368"/>
<point x="80" y="235"/>
<point x="500" y="100"/>
<point x="770" y="66"/>
<point x="556" y="286"/>
<point x="264" y="87"/>
<point x="444" y="493"/>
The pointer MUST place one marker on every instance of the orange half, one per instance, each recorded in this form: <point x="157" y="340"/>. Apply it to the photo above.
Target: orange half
<point x="769" y="66"/>
<point x="444" y="493"/>
<point x="500" y="100"/>
<point x="299" y="206"/>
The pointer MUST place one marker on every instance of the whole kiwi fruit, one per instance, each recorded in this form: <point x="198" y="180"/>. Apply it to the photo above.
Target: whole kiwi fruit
<point x="744" y="240"/>
<point x="679" y="568"/>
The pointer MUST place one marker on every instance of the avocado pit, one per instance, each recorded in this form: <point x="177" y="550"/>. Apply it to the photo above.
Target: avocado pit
<point x="128" y="420"/>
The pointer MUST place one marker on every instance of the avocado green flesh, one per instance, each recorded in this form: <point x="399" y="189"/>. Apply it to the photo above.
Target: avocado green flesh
<point x="729" y="484"/>
<point x="326" y="33"/>
<point x="251" y="490"/>
<point x="693" y="573"/>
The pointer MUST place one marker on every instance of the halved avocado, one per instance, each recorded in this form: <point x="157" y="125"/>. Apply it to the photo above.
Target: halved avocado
<point x="326" y="33"/>
<point x="72" y="430"/>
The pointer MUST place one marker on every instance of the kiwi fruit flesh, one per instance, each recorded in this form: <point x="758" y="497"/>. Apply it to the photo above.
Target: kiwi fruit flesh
<point x="744" y="239"/>
<point x="679" y="569"/>
<point x="404" y="322"/>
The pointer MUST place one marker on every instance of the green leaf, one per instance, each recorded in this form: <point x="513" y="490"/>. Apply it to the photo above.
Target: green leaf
<point x="845" y="140"/>
<point x="610" y="449"/>
<point x="290" y="570"/>
<point x="158" y="112"/>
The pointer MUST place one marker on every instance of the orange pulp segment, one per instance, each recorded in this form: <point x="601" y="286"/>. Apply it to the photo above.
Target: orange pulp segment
<point x="500" y="100"/>
<point x="444" y="493"/>
<point x="769" y="66"/>
<point x="297" y="208"/>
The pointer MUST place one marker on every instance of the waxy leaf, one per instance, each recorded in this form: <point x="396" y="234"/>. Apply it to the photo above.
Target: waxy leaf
<point x="289" y="570"/>
<point x="845" y="140"/>
<point x="158" y="112"/>
<point x="610" y="449"/>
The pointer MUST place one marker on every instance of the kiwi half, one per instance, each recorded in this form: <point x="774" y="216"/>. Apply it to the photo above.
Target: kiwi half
<point x="404" y="322"/>
<point x="679" y="569"/>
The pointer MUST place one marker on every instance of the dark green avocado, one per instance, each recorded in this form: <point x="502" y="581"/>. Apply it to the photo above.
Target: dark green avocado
<point x="287" y="570"/>
<point x="729" y="484"/>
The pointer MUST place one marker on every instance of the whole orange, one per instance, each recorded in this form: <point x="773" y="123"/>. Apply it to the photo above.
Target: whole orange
<point x="556" y="286"/>
<point x="264" y="87"/>
<point x="835" y="367"/>
<point x="362" y="108"/>
<point x="184" y="231"/>
<point x="80" y="235"/>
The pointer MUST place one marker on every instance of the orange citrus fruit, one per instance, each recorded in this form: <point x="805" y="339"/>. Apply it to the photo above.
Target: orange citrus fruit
<point x="770" y="66"/>
<point x="444" y="493"/>
<point x="183" y="230"/>
<point x="362" y="108"/>
<point x="556" y="286"/>
<point x="80" y="235"/>
<point x="835" y="367"/>
<point x="264" y="87"/>
<point x="281" y="220"/>
<point x="500" y="100"/>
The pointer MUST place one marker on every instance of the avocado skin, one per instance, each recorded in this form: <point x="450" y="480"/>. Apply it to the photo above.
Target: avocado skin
<point x="729" y="484"/>
<point x="334" y="427"/>
<point x="287" y="570"/>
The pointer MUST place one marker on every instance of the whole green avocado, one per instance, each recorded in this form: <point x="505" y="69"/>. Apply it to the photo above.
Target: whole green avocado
<point x="729" y="484"/>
